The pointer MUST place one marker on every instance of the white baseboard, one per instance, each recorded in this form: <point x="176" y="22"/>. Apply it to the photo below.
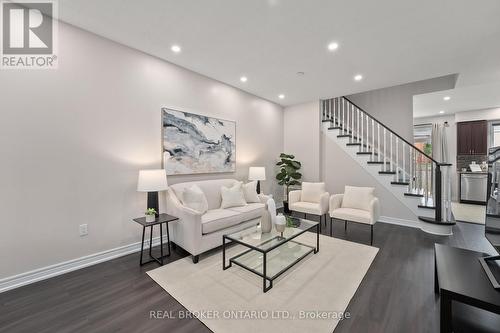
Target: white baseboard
<point x="398" y="221"/>
<point x="40" y="274"/>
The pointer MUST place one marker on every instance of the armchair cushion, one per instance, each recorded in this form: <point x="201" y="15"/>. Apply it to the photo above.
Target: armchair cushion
<point x="307" y="207"/>
<point x="311" y="192"/>
<point x="358" y="197"/>
<point x="351" y="214"/>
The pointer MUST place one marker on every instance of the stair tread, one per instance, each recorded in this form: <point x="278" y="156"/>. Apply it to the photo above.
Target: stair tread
<point x="353" y="144"/>
<point x="400" y="183"/>
<point x="377" y="162"/>
<point x="333" y="127"/>
<point x="427" y="207"/>
<point x="408" y="194"/>
<point x="387" y="172"/>
<point x="366" y="153"/>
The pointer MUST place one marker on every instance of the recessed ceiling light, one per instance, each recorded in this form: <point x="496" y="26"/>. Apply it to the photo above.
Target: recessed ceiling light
<point x="441" y="111"/>
<point x="243" y="79"/>
<point x="281" y="96"/>
<point x="176" y="48"/>
<point x="358" y="77"/>
<point x="333" y="46"/>
<point x="446" y="98"/>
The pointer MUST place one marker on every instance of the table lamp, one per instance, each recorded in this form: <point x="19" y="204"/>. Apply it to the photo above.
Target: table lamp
<point x="258" y="174"/>
<point x="152" y="181"/>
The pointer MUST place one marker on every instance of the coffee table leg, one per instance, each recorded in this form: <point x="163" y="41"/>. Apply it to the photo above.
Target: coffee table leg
<point x="264" y="263"/>
<point x="224" y="267"/>
<point x="317" y="239"/>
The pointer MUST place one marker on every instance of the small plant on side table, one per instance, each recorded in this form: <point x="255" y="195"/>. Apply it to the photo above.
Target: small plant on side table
<point x="150" y="215"/>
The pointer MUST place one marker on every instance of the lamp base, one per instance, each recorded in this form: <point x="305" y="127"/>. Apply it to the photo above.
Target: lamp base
<point x="153" y="202"/>
<point x="258" y="187"/>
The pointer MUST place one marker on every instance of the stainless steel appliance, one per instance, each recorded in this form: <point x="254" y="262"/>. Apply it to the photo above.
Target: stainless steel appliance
<point x="473" y="187"/>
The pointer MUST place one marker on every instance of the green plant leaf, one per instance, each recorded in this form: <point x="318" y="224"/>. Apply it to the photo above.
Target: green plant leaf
<point x="296" y="175"/>
<point x="294" y="182"/>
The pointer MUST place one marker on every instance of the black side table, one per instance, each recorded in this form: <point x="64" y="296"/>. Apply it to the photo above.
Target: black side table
<point x="160" y="220"/>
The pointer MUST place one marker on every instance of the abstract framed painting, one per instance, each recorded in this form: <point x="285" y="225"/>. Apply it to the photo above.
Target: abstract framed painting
<point x="194" y="143"/>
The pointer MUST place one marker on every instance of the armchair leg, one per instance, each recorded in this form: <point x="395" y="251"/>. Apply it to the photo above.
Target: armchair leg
<point x="371" y="235"/>
<point x="345" y="225"/>
<point x="196" y="259"/>
<point x="331" y="226"/>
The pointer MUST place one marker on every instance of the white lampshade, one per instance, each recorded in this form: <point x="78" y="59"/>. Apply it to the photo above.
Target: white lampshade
<point x="152" y="180"/>
<point x="257" y="173"/>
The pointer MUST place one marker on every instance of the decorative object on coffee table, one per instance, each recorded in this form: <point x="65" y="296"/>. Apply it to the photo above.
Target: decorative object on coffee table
<point x="258" y="174"/>
<point x="162" y="219"/>
<point x="269" y="217"/>
<point x="152" y="181"/>
<point x="288" y="175"/>
<point x="280" y="224"/>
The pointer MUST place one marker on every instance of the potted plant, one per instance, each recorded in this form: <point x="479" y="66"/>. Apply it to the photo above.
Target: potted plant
<point x="288" y="174"/>
<point x="150" y="215"/>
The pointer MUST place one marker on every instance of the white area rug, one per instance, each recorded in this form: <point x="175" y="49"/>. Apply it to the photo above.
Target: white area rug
<point x="321" y="284"/>
<point x="468" y="212"/>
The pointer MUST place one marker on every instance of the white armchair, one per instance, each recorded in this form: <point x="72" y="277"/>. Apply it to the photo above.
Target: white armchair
<point x="312" y="199"/>
<point x="358" y="205"/>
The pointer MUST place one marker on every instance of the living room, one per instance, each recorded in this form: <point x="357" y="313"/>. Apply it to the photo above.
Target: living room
<point x="232" y="166"/>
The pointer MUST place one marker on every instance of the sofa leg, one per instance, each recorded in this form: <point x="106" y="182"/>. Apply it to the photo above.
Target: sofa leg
<point x="371" y="235"/>
<point x="173" y="245"/>
<point x="331" y="226"/>
<point x="305" y="216"/>
<point x="195" y="259"/>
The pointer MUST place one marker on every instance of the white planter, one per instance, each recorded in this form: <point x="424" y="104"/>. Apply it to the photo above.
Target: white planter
<point x="150" y="218"/>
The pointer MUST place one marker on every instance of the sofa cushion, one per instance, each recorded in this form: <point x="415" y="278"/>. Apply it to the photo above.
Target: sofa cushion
<point x="211" y="188"/>
<point x="351" y="214"/>
<point x="358" y="197"/>
<point x="306" y="207"/>
<point x="194" y="198"/>
<point x="311" y="192"/>
<point x="218" y="219"/>
<point x="233" y="196"/>
<point x="250" y="191"/>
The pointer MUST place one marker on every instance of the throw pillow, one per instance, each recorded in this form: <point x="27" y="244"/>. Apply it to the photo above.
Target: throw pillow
<point x="358" y="197"/>
<point x="250" y="191"/>
<point x="311" y="192"/>
<point x="232" y="197"/>
<point x="194" y="198"/>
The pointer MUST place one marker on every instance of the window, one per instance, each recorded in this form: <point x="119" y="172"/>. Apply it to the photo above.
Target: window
<point x="422" y="137"/>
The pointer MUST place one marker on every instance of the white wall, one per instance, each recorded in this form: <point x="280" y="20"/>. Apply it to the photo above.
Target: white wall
<point x="302" y="137"/>
<point x="393" y="106"/>
<point x="73" y="140"/>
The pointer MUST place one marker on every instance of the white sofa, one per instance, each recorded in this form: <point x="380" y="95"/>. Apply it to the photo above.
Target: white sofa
<point x="196" y="232"/>
<point x="357" y="204"/>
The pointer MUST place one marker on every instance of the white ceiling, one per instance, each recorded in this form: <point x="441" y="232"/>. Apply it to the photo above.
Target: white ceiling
<point x="461" y="99"/>
<point x="389" y="42"/>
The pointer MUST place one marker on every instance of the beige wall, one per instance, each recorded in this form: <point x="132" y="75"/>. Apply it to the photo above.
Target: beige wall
<point x="302" y="137"/>
<point x="73" y="140"/>
<point x="393" y="106"/>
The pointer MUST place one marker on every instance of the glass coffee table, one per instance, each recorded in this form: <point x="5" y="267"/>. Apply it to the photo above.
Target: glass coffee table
<point x="270" y="254"/>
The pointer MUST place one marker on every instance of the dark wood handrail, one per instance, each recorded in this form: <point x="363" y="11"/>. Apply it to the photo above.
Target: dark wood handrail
<point x="396" y="134"/>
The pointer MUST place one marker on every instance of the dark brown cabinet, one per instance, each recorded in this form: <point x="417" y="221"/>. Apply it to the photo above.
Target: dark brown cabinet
<point x="472" y="138"/>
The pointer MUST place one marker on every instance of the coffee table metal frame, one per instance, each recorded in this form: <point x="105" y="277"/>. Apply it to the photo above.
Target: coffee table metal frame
<point x="265" y="278"/>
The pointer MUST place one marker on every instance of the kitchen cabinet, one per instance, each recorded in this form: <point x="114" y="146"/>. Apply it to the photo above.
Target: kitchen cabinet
<point x="472" y="137"/>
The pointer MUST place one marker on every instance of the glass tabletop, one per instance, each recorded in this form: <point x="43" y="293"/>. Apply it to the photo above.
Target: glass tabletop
<point x="254" y="238"/>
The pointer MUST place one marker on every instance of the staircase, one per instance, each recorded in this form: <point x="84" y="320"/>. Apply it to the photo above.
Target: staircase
<point x="419" y="181"/>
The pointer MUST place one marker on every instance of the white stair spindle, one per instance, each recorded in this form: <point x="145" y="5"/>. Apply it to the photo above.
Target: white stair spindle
<point x="391" y="156"/>
<point x="373" y="140"/>
<point x="385" y="151"/>
<point x="378" y="143"/>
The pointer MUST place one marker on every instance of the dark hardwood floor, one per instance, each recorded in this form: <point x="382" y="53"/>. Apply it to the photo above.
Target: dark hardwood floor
<point x="396" y="295"/>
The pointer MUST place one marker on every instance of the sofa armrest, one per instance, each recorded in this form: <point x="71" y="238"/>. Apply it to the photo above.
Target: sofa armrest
<point x="293" y="197"/>
<point x="335" y="202"/>
<point x="186" y="214"/>
<point x="375" y="210"/>
<point x="323" y="202"/>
